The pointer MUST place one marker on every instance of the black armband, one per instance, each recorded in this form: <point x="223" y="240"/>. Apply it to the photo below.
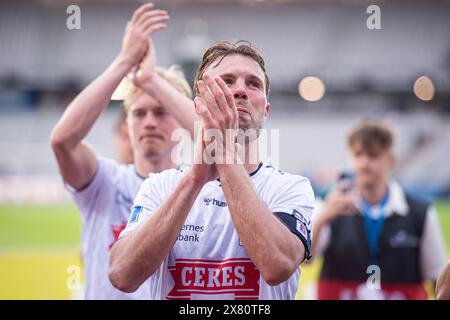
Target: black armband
<point x="298" y="225"/>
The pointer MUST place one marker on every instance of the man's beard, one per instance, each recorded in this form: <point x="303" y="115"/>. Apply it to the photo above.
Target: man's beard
<point x="244" y="124"/>
<point x="369" y="183"/>
<point x="151" y="150"/>
<point x="248" y="130"/>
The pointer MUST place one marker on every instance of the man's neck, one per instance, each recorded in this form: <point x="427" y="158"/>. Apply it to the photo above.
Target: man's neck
<point x="145" y="166"/>
<point x="373" y="194"/>
<point x="251" y="158"/>
<point x="251" y="167"/>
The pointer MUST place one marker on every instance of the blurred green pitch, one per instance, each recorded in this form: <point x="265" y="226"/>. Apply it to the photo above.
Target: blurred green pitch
<point x="39" y="243"/>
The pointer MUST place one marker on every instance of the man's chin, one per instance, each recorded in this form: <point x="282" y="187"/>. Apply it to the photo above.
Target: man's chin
<point x="151" y="151"/>
<point x="368" y="183"/>
<point x="248" y="130"/>
<point x="245" y="125"/>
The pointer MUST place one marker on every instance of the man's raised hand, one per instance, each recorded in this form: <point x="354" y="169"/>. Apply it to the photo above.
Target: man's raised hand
<point x="138" y="32"/>
<point x="217" y="109"/>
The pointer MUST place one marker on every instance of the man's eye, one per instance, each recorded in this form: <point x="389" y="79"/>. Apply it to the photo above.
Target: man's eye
<point x="228" y="81"/>
<point x="140" y="114"/>
<point x="159" y="113"/>
<point x="255" y="84"/>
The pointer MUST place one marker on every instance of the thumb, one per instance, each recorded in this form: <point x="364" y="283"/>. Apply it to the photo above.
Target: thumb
<point x="142" y="75"/>
<point x="132" y="74"/>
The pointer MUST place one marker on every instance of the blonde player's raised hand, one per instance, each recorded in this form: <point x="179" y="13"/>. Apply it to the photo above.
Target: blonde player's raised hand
<point x="144" y="74"/>
<point x="144" y="23"/>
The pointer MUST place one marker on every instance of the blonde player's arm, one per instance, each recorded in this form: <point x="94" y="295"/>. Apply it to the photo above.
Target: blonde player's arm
<point x="76" y="160"/>
<point x="178" y="104"/>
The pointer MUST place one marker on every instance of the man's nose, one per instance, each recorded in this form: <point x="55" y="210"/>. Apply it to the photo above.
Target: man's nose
<point x="365" y="161"/>
<point x="150" y="120"/>
<point x="239" y="91"/>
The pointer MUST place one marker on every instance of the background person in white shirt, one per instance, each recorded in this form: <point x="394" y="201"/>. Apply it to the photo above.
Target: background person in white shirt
<point x="157" y="104"/>
<point x="240" y="237"/>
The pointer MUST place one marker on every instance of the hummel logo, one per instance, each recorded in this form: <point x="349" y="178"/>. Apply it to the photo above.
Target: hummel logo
<point x="214" y="202"/>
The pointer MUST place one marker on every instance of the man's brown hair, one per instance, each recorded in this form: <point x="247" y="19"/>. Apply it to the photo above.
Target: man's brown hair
<point x="372" y="135"/>
<point x="223" y="49"/>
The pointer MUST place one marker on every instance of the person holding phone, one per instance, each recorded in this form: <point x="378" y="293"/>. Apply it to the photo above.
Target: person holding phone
<point x="377" y="241"/>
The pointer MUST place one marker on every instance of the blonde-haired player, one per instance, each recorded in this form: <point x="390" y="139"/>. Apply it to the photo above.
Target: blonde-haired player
<point x="157" y="104"/>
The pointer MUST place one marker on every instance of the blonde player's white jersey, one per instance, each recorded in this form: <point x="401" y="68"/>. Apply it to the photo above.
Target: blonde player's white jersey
<point x="105" y="207"/>
<point x="208" y="260"/>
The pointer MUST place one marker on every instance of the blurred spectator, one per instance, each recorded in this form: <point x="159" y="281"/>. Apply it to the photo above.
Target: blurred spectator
<point x="377" y="241"/>
<point x="443" y="284"/>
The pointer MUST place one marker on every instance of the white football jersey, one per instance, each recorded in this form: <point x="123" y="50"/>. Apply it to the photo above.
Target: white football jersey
<point x="105" y="207"/>
<point x="208" y="260"/>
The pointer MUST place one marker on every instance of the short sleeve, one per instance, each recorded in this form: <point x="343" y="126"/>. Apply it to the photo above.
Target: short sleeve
<point x="152" y="193"/>
<point x="293" y="203"/>
<point x="292" y="194"/>
<point x="88" y="197"/>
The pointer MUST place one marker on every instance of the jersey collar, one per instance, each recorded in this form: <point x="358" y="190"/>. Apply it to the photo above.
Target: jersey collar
<point x="397" y="201"/>
<point x="256" y="170"/>
<point x="251" y="174"/>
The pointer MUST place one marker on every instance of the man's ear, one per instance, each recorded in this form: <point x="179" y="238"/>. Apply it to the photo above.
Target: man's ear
<point x="266" y="111"/>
